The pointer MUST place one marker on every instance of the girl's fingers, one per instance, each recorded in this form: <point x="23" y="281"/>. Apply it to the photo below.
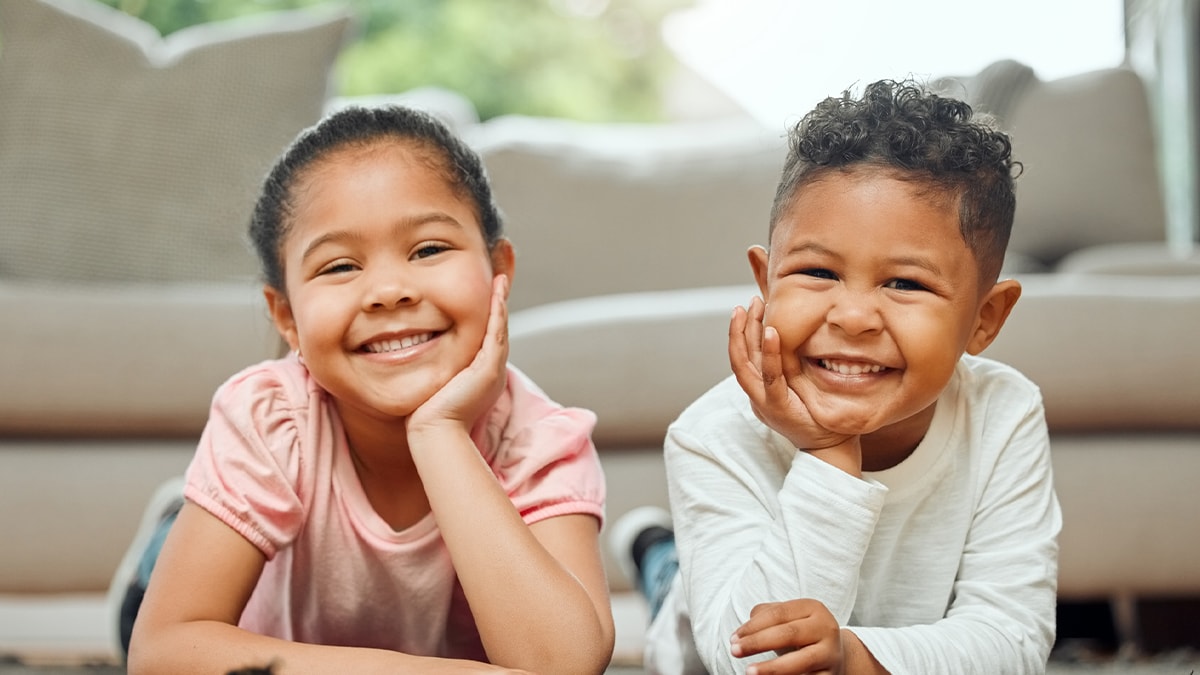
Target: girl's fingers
<point x="498" y="319"/>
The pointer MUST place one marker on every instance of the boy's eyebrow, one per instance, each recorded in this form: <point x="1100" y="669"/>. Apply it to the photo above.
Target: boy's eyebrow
<point x="402" y="224"/>
<point x="903" y="260"/>
<point x="916" y="261"/>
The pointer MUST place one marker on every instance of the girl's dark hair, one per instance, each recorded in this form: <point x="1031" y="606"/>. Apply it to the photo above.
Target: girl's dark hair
<point x="921" y="137"/>
<point x="358" y="127"/>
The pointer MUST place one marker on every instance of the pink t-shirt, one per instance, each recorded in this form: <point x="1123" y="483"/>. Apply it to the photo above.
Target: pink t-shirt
<point x="273" y="464"/>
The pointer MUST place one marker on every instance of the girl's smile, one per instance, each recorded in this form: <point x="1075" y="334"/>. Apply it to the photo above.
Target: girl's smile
<point x="389" y="280"/>
<point x="391" y="345"/>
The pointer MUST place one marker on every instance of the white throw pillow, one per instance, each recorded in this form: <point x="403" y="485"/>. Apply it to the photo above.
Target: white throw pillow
<point x="125" y="156"/>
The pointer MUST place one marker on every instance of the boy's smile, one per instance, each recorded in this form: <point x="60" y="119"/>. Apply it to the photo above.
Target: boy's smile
<point x="875" y="296"/>
<point x="389" y="280"/>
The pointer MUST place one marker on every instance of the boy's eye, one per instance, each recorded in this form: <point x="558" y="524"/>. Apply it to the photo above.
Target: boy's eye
<point x="904" y="285"/>
<point x="819" y="273"/>
<point x="427" y="250"/>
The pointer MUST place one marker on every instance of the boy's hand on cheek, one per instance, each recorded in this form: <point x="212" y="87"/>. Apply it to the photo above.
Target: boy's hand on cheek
<point x="475" y="388"/>
<point x="804" y="634"/>
<point x="757" y="362"/>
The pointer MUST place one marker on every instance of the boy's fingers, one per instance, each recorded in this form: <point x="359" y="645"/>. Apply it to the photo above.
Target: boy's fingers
<point x="781" y="638"/>
<point x="754" y="331"/>
<point x="772" y="367"/>
<point x="739" y="358"/>
<point x="812" y="660"/>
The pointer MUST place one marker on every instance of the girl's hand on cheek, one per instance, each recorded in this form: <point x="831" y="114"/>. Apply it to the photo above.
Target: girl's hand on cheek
<point x="755" y="355"/>
<point x="475" y="388"/>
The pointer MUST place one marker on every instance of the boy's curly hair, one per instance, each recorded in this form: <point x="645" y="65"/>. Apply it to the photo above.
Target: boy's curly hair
<point x="936" y="142"/>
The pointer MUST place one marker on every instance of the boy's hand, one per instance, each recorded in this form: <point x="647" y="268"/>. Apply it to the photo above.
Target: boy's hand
<point x="757" y="363"/>
<point x="475" y="388"/>
<point x="803" y="633"/>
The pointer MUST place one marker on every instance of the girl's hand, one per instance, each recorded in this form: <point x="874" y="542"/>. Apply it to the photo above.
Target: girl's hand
<point x="474" y="389"/>
<point x="757" y="362"/>
<point x="804" y="634"/>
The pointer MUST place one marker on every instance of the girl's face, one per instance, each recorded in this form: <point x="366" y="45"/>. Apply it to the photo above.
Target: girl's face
<point x="388" y="279"/>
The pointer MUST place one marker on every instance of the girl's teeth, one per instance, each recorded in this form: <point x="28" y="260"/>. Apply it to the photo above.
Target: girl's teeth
<point x="850" y="369"/>
<point x="398" y="344"/>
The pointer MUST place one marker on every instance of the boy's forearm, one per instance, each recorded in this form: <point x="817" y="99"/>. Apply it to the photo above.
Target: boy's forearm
<point x="846" y="455"/>
<point x="856" y="658"/>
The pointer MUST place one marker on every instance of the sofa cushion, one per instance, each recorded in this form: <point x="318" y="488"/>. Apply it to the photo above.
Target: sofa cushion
<point x="1106" y="351"/>
<point x="596" y="209"/>
<point x="127" y="156"/>
<point x="1090" y="165"/>
<point x="1146" y="259"/>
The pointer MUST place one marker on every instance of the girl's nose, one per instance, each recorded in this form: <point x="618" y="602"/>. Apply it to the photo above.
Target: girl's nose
<point x="389" y="288"/>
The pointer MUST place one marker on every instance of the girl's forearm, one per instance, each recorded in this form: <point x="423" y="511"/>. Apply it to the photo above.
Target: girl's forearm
<point x="531" y="610"/>
<point x="215" y="647"/>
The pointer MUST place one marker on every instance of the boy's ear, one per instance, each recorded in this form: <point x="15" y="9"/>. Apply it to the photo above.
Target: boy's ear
<point x="504" y="259"/>
<point x="281" y="314"/>
<point x="993" y="312"/>
<point x="758" y="264"/>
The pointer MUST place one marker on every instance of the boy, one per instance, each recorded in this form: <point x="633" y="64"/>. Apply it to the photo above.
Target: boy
<point x="865" y="494"/>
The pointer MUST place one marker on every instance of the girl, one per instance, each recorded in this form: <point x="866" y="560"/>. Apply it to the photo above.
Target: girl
<point x="391" y="496"/>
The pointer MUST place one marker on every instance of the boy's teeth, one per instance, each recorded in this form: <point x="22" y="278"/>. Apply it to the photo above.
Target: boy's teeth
<point x="850" y="368"/>
<point x="398" y="344"/>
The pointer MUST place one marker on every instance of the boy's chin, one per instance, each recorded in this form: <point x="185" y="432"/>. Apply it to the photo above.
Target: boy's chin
<point x="847" y="420"/>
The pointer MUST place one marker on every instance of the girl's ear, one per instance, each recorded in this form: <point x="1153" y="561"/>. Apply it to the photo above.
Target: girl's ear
<point x="993" y="312"/>
<point x="504" y="259"/>
<point x="281" y="314"/>
<point x="758" y="264"/>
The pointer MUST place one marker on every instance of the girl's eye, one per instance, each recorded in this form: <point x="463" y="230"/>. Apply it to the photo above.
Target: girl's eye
<point x="427" y="250"/>
<point x="338" y="268"/>
<point x="904" y="285"/>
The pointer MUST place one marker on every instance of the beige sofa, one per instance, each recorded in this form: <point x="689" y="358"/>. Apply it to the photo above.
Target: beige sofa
<point x="630" y="243"/>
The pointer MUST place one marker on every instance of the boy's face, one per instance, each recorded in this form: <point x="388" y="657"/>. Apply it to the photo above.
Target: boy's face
<point x="875" y="296"/>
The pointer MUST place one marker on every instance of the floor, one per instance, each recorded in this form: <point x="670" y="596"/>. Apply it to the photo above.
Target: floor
<point x="1088" y="644"/>
<point x="1177" y="664"/>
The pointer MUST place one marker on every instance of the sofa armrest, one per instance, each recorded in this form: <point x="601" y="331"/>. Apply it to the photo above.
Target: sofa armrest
<point x="131" y="360"/>
<point x="636" y="359"/>
<point x="1108" y="351"/>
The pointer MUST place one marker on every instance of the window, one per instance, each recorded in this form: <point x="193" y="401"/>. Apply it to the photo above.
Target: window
<point x="779" y="57"/>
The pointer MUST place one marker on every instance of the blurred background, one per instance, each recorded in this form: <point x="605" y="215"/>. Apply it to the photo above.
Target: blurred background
<point x="659" y="60"/>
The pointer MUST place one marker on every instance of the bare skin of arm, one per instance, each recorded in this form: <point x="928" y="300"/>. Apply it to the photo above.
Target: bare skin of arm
<point x="201" y="583"/>
<point x="538" y="592"/>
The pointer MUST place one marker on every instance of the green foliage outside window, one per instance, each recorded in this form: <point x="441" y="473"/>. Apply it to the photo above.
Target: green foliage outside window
<point x="598" y="60"/>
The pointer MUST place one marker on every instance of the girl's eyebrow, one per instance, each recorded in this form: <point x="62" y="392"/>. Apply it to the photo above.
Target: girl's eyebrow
<point x="402" y="224"/>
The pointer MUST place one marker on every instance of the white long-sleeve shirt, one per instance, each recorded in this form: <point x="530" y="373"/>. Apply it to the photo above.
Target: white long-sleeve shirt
<point x="943" y="564"/>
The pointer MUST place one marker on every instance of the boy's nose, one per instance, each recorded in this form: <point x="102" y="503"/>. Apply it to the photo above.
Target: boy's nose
<point x="856" y="313"/>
